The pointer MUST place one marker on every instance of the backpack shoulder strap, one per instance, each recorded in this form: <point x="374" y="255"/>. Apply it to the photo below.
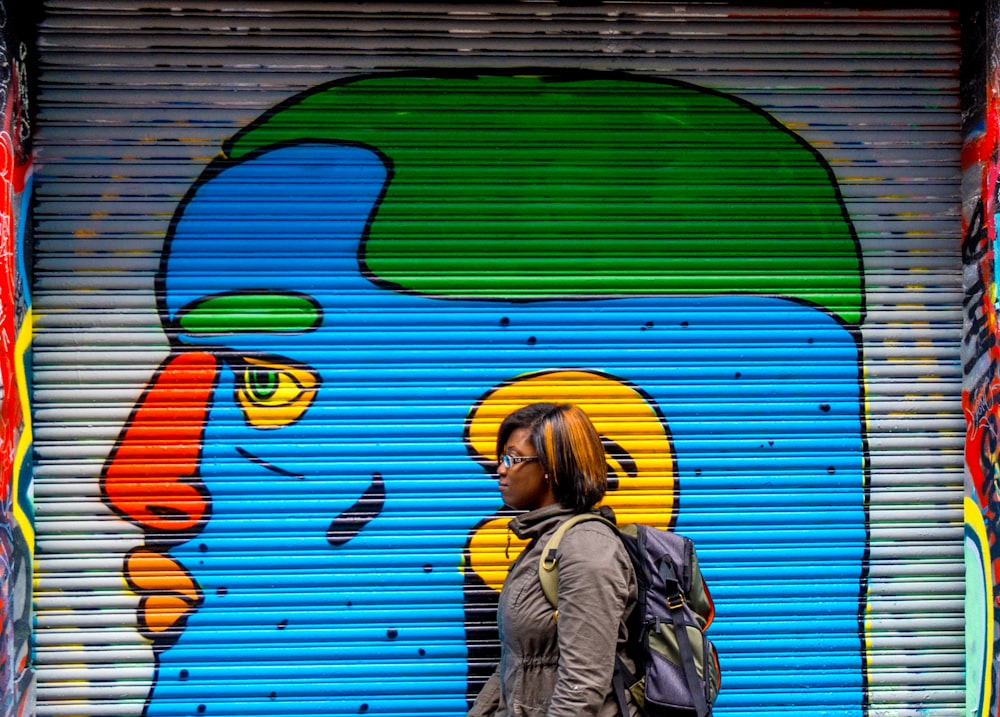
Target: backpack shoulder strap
<point x="548" y="565"/>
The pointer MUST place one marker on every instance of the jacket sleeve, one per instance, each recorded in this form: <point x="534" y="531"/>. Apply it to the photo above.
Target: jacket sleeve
<point x="594" y="586"/>
<point x="488" y="698"/>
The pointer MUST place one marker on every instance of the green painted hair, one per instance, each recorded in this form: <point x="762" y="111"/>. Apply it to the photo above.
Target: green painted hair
<point x="589" y="184"/>
<point x="569" y="447"/>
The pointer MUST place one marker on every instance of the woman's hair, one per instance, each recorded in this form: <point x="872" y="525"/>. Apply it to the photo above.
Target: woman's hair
<point x="569" y="447"/>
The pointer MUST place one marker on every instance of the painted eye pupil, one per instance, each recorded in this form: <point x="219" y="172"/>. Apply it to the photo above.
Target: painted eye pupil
<point x="262" y="383"/>
<point x="273" y="392"/>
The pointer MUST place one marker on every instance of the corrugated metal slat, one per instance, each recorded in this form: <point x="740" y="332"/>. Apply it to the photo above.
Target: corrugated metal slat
<point x="803" y="399"/>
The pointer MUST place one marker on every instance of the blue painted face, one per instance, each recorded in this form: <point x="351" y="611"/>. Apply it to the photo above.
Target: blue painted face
<point x="335" y="467"/>
<point x="283" y="443"/>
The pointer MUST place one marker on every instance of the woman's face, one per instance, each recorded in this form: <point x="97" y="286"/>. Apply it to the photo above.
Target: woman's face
<point x="524" y="485"/>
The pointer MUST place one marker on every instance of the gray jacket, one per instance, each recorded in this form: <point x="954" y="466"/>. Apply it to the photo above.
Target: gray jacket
<point x="561" y="668"/>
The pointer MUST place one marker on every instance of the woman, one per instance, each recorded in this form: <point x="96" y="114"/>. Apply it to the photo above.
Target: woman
<point x="552" y="465"/>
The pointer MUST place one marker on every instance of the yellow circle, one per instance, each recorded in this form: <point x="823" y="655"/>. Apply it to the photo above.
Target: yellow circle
<point x="641" y="468"/>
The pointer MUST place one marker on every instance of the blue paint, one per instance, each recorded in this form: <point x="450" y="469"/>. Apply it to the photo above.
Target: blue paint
<point x="24" y="211"/>
<point x="400" y="374"/>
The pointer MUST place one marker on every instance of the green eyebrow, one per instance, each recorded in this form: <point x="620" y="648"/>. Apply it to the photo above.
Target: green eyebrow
<point x="251" y="312"/>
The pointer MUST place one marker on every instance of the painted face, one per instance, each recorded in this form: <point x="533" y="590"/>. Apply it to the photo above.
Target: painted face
<point x="269" y="471"/>
<point x="524" y="486"/>
<point x="301" y="462"/>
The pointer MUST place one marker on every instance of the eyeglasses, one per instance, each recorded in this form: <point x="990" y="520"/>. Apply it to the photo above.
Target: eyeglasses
<point x="509" y="461"/>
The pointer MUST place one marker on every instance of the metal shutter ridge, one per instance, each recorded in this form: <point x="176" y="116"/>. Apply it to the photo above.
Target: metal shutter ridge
<point x="294" y="262"/>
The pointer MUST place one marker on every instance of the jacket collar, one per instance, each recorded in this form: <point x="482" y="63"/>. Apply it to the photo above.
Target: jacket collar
<point x="528" y="526"/>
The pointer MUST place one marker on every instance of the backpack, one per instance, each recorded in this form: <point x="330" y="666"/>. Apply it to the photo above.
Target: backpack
<point x="677" y="670"/>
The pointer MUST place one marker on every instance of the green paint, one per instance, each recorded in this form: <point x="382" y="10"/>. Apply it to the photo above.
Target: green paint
<point x="250" y="312"/>
<point x="511" y="186"/>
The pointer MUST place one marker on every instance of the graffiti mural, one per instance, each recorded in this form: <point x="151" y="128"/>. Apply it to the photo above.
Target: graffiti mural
<point x="16" y="529"/>
<point x="981" y="389"/>
<point x="378" y="270"/>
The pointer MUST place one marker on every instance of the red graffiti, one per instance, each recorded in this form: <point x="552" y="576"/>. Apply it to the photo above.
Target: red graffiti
<point x="16" y="672"/>
<point x="980" y="352"/>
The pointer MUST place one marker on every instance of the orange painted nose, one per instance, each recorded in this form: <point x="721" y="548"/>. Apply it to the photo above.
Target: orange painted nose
<point x="152" y="477"/>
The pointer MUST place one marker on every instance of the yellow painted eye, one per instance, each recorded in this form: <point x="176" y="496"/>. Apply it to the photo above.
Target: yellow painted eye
<point x="273" y="394"/>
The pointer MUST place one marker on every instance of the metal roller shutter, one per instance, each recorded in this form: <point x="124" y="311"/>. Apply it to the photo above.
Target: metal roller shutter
<point x="266" y="380"/>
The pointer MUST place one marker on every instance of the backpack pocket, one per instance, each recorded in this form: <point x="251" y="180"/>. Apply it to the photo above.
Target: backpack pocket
<point x="665" y="684"/>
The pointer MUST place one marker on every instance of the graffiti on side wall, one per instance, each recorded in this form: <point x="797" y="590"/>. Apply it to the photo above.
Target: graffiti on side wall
<point x="980" y="394"/>
<point x="16" y="530"/>
<point x="375" y="272"/>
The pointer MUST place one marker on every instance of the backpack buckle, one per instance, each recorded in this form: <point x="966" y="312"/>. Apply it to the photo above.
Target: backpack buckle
<point x="675" y="601"/>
